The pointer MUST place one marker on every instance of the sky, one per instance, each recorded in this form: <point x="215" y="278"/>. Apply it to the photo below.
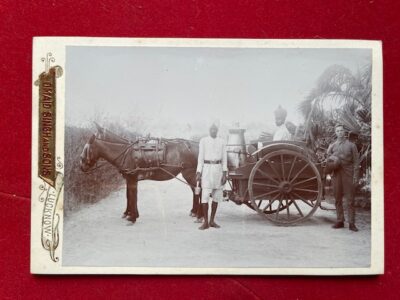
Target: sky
<point x="176" y="92"/>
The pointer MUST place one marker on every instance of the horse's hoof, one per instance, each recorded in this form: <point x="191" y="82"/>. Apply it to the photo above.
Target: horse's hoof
<point x="124" y="216"/>
<point x="133" y="220"/>
<point x="192" y="214"/>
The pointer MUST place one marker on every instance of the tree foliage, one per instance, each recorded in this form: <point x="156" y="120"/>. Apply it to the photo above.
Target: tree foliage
<point x="339" y="97"/>
<point x="345" y="98"/>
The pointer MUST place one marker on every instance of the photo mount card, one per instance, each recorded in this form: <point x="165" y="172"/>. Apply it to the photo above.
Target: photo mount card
<point x="207" y="156"/>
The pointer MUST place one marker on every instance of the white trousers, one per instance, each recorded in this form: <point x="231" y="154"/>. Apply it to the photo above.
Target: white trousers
<point x="215" y="195"/>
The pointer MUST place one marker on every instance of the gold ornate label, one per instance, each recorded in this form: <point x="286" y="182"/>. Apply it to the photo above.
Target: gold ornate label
<point x="53" y="179"/>
<point x="47" y="120"/>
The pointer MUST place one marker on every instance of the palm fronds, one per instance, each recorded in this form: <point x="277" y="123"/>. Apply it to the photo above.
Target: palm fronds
<point x="349" y="120"/>
<point x="339" y="97"/>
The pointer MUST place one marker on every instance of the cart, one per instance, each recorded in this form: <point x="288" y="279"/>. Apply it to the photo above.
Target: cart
<point x="283" y="181"/>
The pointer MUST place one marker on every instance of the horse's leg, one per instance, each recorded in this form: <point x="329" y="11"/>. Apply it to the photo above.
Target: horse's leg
<point x="136" y="201"/>
<point x="190" y="176"/>
<point x="194" y="205"/>
<point x="132" y="199"/>
<point x="199" y="212"/>
<point x="196" y="210"/>
<point x="126" y="212"/>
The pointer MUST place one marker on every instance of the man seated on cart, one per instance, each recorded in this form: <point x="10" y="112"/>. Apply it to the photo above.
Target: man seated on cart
<point x="284" y="131"/>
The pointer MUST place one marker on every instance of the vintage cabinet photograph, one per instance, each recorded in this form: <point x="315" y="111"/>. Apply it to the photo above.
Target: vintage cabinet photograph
<point x="207" y="156"/>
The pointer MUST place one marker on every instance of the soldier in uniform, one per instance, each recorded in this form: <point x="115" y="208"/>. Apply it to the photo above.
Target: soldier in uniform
<point x="212" y="171"/>
<point x="345" y="176"/>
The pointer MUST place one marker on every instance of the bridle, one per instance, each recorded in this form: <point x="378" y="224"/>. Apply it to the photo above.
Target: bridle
<point x="98" y="166"/>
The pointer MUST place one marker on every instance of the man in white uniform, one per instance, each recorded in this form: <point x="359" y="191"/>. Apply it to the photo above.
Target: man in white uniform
<point x="281" y="133"/>
<point x="211" y="170"/>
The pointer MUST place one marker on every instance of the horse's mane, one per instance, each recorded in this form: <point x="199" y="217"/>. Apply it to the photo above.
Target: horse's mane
<point x="112" y="137"/>
<point x="109" y="136"/>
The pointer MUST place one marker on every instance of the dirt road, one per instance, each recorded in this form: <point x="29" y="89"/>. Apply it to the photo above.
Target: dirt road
<point x="165" y="235"/>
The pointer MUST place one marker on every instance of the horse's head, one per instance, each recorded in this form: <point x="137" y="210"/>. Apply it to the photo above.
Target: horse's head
<point x="89" y="155"/>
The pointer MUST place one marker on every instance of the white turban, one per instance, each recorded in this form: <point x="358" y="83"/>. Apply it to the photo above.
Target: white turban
<point x="213" y="122"/>
<point x="280" y="112"/>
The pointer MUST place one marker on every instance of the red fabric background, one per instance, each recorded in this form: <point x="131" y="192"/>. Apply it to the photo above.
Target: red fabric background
<point x="21" y="20"/>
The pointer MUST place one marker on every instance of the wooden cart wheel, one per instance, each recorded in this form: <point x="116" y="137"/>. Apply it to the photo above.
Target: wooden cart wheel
<point x="285" y="187"/>
<point x="268" y="211"/>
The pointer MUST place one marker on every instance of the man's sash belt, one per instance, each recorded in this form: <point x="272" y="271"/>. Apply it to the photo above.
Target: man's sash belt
<point x="212" y="162"/>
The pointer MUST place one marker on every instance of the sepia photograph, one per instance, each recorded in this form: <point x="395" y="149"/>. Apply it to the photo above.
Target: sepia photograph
<point x="207" y="157"/>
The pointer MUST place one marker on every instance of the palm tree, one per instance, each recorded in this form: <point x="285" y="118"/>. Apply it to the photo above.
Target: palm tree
<point x="340" y="97"/>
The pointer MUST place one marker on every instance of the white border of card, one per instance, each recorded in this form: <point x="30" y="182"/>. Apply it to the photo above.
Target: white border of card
<point x="49" y="60"/>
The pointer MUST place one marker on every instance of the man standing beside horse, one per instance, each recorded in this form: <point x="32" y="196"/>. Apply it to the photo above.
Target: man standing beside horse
<point x="212" y="172"/>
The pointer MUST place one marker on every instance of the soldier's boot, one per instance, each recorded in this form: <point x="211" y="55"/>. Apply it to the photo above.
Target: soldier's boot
<point x="353" y="227"/>
<point x="205" y="216"/>
<point x="214" y="207"/>
<point x="338" y="225"/>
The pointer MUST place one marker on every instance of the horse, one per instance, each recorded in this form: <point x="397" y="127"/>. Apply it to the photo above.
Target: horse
<point x="180" y="157"/>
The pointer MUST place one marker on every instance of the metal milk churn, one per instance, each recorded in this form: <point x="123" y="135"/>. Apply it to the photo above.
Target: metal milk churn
<point x="236" y="148"/>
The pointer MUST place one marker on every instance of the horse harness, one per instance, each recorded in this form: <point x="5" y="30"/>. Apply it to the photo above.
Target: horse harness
<point x="149" y="155"/>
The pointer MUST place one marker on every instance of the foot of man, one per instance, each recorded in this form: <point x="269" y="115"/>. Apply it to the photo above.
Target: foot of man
<point x="353" y="227"/>
<point x="215" y="225"/>
<point x="338" y="225"/>
<point x="204" y="226"/>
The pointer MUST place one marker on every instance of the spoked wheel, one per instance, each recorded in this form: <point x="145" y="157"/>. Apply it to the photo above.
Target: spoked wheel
<point x="270" y="210"/>
<point x="285" y="187"/>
